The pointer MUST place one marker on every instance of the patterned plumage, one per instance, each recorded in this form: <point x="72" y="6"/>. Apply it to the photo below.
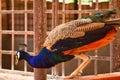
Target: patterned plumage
<point x="71" y="30"/>
<point x="70" y="40"/>
<point x="89" y="37"/>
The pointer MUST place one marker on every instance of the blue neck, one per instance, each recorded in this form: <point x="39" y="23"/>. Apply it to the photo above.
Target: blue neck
<point x="26" y="56"/>
<point x="46" y="59"/>
<point x="42" y="60"/>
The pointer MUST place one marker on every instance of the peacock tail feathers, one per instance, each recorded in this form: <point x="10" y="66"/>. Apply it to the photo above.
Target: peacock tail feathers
<point x="90" y="36"/>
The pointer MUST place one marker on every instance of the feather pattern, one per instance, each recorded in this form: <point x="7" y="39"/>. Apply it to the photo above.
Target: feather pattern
<point x="65" y="30"/>
<point x="90" y="36"/>
<point x="73" y="29"/>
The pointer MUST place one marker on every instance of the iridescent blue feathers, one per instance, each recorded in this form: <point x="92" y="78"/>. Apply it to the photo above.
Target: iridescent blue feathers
<point x="45" y="59"/>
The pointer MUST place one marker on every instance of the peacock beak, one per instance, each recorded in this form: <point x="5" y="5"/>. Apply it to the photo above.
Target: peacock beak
<point x="16" y="60"/>
<point x="17" y="56"/>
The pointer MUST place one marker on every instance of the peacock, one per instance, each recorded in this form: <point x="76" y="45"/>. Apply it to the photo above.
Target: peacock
<point x="73" y="39"/>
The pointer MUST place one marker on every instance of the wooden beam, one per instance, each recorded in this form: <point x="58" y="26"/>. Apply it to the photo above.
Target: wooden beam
<point x="77" y="11"/>
<point x="107" y="76"/>
<point x="115" y="4"/>
<point x="40" y="34"/>
<point x="54" y="24"/>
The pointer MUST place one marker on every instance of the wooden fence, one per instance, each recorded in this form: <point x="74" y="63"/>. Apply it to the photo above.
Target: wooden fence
<point x="16" y="26"/>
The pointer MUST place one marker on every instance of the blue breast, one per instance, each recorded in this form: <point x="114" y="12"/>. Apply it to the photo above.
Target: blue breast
<point x="47" y="59"/>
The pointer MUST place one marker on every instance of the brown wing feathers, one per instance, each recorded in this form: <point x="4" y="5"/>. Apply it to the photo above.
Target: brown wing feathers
<point x="73" y="29"/>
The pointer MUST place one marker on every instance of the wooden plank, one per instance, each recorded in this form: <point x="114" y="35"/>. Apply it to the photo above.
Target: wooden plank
<point x="77" y="11"/>
<point x="15" y="11"/>
<point x="17" y="32"/>
<point x="107" y="76"/>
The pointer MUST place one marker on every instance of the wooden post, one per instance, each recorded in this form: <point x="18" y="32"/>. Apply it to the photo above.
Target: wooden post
<point x="40" y="33"/>
<point x="115" y="4"/>
<point x="55" y="69"/>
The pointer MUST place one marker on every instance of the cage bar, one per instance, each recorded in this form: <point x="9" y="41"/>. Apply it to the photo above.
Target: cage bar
<point x="25" y="36"/>
<point x="95" y="63"/>
<point x="63" y="21"/>
<point x="12" y="57"/>
<point x="79" y="8"/>
<point x="97" y="5"/>
<point x="0" y="37"/>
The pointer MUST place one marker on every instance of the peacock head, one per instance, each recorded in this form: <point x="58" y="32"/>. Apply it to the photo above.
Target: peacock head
<point x="102" y="16"/>
<point x="20" y="55"/>
<point x="106" y="14"/>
